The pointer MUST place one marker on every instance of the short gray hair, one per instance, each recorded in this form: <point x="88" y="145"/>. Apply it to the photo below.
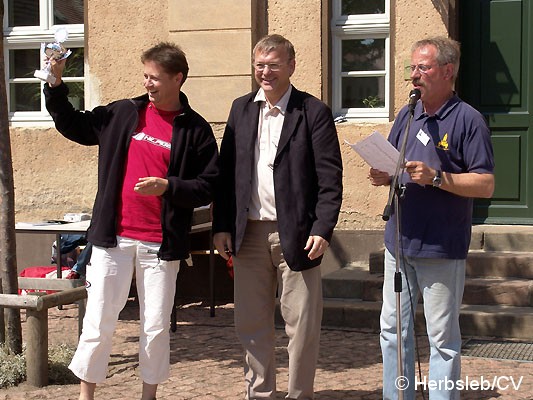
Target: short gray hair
<point x="448" y="51"/>
<point x="271" y="42"/>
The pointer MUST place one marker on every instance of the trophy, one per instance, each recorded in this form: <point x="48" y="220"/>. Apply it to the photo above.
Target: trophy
<point x="53" y="51"/>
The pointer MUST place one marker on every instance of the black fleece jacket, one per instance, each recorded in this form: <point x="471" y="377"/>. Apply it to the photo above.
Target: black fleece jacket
<point x="191" y="174"/>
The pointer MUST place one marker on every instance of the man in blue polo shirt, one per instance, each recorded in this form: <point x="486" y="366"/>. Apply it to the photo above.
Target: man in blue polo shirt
<point x="451" y="162"/>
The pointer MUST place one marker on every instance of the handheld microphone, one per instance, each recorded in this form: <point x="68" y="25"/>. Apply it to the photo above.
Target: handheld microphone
<point x="414" y="96"/>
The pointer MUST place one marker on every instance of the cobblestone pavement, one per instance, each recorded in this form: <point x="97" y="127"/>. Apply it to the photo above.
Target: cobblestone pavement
<point x="207" y="362"/>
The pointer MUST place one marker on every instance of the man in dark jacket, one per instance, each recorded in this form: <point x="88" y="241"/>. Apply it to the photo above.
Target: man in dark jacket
<point x="157" y="162"/>
<point x="275" y="209"/>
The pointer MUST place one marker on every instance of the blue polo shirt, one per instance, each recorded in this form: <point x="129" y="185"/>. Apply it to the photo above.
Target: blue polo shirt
<point x="436" y="223"/>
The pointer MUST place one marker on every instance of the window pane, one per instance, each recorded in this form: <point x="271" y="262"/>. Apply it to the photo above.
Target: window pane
<point x="75" y="95"/>
<point x="23" y="63"/>
<point x="356" y="7"/>
<point x="365" y="92"/>
<point x="25" y="97"/>
<point x="363" y="55"/>
<point x="68" y="12"/>
<point x="74" y="64"/>
<point x="23" y="12"/>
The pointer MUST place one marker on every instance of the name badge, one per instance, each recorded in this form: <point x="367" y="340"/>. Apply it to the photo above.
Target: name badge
<point x="423" y="137"/>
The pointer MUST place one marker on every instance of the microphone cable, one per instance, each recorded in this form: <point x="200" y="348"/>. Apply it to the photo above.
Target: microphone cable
<point x="412" y="307"/>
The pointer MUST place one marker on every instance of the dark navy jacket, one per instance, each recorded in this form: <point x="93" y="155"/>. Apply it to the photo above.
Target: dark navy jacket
<point x="307" y="175"/>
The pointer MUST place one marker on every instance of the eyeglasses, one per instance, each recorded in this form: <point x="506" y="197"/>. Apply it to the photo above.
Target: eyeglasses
<point x="261" y="67"/>
<point x="420" y="67"/>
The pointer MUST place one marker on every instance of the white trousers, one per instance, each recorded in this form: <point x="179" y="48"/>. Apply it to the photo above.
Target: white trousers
<point x="109" y="277"/>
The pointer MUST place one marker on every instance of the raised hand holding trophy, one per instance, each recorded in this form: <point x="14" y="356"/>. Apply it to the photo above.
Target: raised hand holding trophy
<point x="53" y="51"/>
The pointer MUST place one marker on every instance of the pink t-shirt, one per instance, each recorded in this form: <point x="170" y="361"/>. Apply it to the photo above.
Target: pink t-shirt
<point x="139" y="216"/>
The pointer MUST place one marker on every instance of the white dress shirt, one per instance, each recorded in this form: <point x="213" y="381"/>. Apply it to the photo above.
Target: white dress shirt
<point x="271" y="118"/>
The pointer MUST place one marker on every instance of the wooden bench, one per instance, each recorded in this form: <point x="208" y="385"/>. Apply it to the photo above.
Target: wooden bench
<point x="36" y="304"/>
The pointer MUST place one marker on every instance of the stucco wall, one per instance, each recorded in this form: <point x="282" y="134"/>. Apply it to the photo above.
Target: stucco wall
<point x="302" y="26"/>
<point x="217" y="37"/>
<point x="116" y="38"/>
<point x="54" y="176"/>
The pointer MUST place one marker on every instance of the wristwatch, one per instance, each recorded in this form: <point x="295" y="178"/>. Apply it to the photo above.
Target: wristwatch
<point x="437" y="180"/>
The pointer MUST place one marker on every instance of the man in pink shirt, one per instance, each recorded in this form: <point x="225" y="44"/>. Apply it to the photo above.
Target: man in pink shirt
<point x="157" y="162"/>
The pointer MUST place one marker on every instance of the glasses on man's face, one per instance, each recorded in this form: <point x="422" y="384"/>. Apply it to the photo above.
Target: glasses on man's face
<point x="271" y="66"/>
<point x="422" y="68"/>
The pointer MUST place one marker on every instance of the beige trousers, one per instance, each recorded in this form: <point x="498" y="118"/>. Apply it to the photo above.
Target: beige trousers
<point x="260" y="270"/>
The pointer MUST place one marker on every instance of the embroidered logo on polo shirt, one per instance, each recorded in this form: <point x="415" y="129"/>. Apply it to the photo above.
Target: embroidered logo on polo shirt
<point x="443" y="144"/>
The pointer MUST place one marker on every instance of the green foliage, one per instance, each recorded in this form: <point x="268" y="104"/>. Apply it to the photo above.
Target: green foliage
<point x="373" y="102"/>
<point x="363" y="7"/>
<point x="13" y="366"/>
<point x="59" y="358"/>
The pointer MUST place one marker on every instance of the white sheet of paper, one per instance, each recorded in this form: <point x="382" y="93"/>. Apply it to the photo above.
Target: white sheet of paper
<point x="377" y="152"/>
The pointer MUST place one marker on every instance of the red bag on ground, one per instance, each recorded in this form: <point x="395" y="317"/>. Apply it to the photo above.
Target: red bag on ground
<point x="49" y="272"/>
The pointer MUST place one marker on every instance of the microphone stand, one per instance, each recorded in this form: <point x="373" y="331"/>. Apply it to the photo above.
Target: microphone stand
<point x="396" y="192"/>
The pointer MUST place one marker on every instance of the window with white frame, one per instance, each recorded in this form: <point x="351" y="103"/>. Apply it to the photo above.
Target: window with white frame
<point x="361" y="58"/>
<point x="27" y="24"/>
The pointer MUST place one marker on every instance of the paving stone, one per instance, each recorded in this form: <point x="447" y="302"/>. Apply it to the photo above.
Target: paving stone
<point x="207" y="361"/>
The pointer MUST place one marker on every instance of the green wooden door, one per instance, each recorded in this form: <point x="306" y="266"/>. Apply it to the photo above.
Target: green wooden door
<point x="496" y="78"/>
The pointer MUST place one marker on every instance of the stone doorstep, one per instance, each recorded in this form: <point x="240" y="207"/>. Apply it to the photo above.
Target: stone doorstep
<point x="502" y="291"/>
<point x="476" y="320"/>
<point x="499" y="267"/>
<point x="502" y="237"/>
<point x="497" y="321"/>
<point x="355" y="282"/>
<point x="352" y="282"/>
<point x="500" y="264"/>
<point x="508" y="241"/>
<point x="481" y="264"/>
